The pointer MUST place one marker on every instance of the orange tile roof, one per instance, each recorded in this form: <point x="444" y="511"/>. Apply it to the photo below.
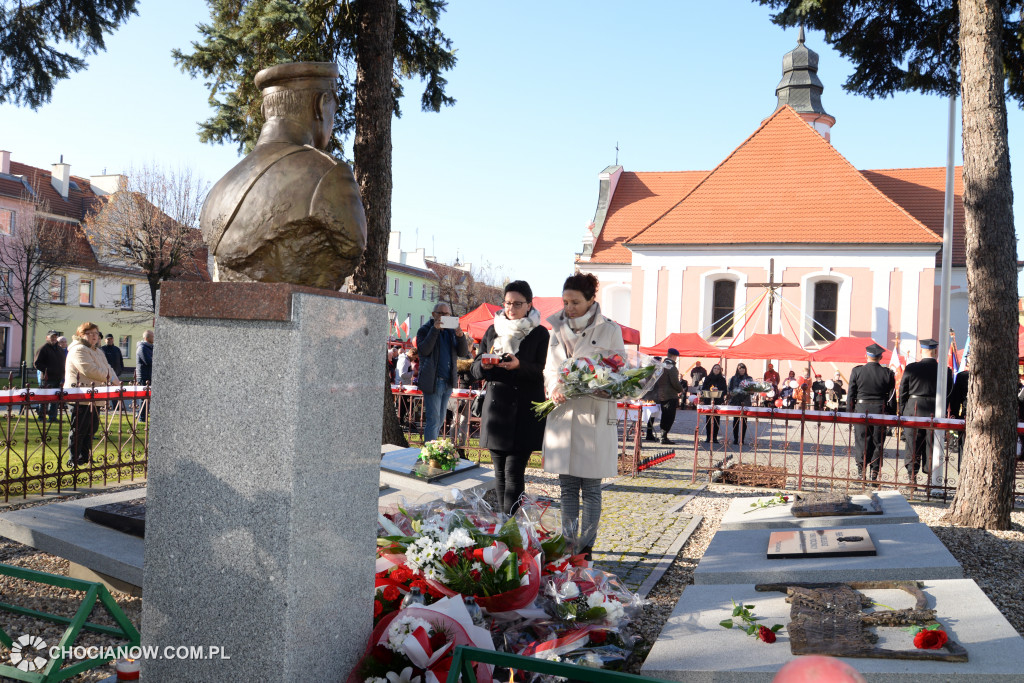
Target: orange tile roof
<point x="638" y="198"/>
<point x="922" y="192"/>
<point x="784" y="184"/>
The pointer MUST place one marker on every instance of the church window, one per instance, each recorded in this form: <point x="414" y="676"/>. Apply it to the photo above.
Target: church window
<point x="826" y="306"/>
<point x="723" y="305"/>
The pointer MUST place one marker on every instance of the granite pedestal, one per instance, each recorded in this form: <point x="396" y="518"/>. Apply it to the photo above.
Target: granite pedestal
<point x="904" y="552"/>
<point x="895" y="510"/>
<point x="263" y="480"/>
<point x="694" y="647"/>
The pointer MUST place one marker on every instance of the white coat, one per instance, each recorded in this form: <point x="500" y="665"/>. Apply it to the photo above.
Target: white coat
<point x="581" y="438"/>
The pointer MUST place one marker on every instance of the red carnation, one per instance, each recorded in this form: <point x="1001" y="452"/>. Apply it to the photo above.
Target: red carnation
<point x="930" y="639"/>
<point x="475" y="575"/>
<point x="766" y="634"/>
<point x="382" y="655"/>
<point x="401" y="574"/>
<point x="450" y="558"/>
<point x="390" y="593"/>
<point x="598" y="637"/>
<point x="377" y="608"/>
<point x="437" y="640"/>
<point x="467" y="553"/>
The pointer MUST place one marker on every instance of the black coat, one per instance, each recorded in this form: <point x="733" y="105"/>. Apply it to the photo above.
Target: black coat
<point x="507" y="422"/>
<point x="114" y="357"/>
<point x="873" y="385"/>
<point x="50" y="360"/>
<point x="715" y="382"/>
<point x="958" y="397"/>
<point x="918" y="386"/>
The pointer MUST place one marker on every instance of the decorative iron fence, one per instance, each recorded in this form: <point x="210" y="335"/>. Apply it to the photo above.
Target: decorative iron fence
<point x="34" y="436"/>
<point x="809" y="450"/>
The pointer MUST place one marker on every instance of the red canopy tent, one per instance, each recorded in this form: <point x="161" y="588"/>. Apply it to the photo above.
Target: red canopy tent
<point x="546" y="306"/>
<point x="1020" y="344"/>
<point x="688" y="344"/>
<point x="480" y="313"/>
<point x="767" y="346"/>
<point x="847" y="350"/>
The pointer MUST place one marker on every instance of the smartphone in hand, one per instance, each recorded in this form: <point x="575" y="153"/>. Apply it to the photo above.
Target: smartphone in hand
<point x="449" y="322"/>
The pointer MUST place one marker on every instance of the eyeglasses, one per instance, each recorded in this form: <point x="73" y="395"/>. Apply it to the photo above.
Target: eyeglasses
<point x="515" y="304"/>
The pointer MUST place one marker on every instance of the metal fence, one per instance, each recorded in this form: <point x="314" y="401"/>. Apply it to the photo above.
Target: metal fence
<point x="815" y="450"/>
<point x="34" y="430"/>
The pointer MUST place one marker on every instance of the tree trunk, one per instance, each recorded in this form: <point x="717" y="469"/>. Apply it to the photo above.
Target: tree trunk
<point x="985" y="494"/>
<point x="371" y="152"/>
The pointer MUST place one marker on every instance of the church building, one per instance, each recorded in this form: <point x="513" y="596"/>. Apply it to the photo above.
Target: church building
<point x="846" y="251"/>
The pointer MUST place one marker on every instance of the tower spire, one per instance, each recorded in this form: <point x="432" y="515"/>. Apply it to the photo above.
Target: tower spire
<point x="800" y="87"/>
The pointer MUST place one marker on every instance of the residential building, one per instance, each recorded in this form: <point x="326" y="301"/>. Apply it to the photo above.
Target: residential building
<point x="85" y="285"/>
<point x="858" y="251"/>
<point x="413" y="288"/>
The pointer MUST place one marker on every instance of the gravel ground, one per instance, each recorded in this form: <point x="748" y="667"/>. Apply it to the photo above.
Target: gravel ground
<point x="994" y="559"/>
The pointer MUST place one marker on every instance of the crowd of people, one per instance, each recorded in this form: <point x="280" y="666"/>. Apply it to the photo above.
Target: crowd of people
<point x="84" y="362"/>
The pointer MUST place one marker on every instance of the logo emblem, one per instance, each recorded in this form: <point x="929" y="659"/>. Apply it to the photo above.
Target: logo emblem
<point x="26" y="653"/>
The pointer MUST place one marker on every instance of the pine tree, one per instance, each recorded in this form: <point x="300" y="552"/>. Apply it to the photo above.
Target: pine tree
<point x="930" y="46"/>
<point x="377" y="43"/>
<point x="37" y="40"/>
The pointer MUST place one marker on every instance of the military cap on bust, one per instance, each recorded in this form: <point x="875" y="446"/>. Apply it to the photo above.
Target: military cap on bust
<point x="298" y="76"/>
<point x="929" y="344"/>
<point x="875" y="351"/>
<point x="673" y="352"/>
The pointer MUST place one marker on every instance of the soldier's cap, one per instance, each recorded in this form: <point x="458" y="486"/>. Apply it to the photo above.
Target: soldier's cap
<point x="110" y="336"/>
<point x="298" y="76"/>
<point x="928" y="344"/>
<point x="875" y="351"/>
<point x="673" y="352"/>
<point x="52" y="332"/>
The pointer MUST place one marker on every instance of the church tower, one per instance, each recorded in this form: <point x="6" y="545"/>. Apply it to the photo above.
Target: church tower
<point x="801" y="88"/>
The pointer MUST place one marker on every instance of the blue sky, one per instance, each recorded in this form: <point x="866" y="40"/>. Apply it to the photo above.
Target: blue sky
<point x="545" y="90"/>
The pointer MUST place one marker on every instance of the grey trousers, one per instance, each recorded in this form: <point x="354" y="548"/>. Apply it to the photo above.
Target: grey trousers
<point x="585" y="530"/>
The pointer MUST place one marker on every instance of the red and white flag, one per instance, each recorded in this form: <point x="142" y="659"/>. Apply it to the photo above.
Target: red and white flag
<point x="897" y="363"/>
<point x="404" y="327"/>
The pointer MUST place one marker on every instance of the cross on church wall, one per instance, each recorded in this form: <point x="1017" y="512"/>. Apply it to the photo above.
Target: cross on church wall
<point x="771" y="286"/>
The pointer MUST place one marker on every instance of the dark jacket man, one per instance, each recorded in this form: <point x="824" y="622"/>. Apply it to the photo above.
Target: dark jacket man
<point x="144" y="362"/>
<point x="871" y="390"/>
<point x="50" y="361"/>
<point x="113" y="354"/>
<point x="428" y="343"/>
<point x="917" y="399"/>
<point x="666" y="392"/>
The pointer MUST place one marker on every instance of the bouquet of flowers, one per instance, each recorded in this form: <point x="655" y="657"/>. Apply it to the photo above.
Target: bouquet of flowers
<point x="588" y="375"/>
<point x="416" y="644"/>
<point x="440" y="454"/>
<point x="589" y="596"/>
<point x="561" y="641"/>
<point x="752" y="386"/>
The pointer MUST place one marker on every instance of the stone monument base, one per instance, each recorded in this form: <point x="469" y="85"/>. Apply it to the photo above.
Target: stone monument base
<point x="263" y="481"/>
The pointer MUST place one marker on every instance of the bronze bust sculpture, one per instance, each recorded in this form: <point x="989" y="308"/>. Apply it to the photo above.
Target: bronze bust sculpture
<point x="288" y="212"/>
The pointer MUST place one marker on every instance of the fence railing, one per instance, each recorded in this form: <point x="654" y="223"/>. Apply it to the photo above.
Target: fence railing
<point x="35" y="425"/>
<point x="810" y="449"/>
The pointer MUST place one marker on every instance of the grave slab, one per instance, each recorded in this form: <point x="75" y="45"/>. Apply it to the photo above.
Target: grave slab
<point x="895" y="510"/>
<point x="693" y="647"/>
<point x="478" y="478"/>
<point x="905" y="552"/>
<point x="61" y="529"/>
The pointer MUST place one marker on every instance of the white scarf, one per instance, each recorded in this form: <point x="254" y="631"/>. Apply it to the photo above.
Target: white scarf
<point x="573" y="326"/>
<point x="510" y="333"/>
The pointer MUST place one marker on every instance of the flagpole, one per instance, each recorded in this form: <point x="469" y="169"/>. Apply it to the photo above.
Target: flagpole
<point x="939" y="435"/>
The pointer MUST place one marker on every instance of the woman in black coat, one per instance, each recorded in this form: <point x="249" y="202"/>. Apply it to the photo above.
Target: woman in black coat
<point x="508" y="426"/>
<point x="716" y="380"/>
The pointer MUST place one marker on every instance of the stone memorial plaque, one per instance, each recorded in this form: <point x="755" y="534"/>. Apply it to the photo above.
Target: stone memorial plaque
<point x="128" y="516"/>
<point x="814" y="543"/>
<point x="405" y="463"/>
<point x="834" y="504"/>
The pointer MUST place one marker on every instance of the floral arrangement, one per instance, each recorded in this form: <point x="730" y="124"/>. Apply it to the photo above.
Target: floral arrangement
<point x="440" y="453"/>
<point x="778" y="498"/>
<point x="608" y="375"/>
<point x="752" y="386"/>
<point x="523" y="574"/>
<point x="748" y="622"/>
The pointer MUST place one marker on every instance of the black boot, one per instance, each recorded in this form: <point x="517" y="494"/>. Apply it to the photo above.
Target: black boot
<point x="664" y="438"/>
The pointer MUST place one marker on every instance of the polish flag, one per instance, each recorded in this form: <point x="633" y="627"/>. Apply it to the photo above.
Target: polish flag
<point x="404" y="327"/>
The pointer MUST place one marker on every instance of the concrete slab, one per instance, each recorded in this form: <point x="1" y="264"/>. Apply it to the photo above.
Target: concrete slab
<point x="895" y="510"/>
<point x="905" y="552"/>
<point x="411" y="490"/>
<point x="61" y="529"/>
<point x="694" y="648"/>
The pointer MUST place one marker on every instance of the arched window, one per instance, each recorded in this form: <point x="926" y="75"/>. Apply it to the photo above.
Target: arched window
<point x="826" y="310"/>
<point x="723" y="307"/>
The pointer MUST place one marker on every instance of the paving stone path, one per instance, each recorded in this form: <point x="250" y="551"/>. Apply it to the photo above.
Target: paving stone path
<point x="642" y="528"/>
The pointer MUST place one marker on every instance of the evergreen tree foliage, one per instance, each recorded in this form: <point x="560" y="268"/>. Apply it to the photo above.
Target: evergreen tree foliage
<point x="245" y="36"/>
<point x="38" y="40"/>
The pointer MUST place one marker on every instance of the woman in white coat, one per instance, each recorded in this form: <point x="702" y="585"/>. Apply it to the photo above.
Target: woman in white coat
<point x="581" y="439"/>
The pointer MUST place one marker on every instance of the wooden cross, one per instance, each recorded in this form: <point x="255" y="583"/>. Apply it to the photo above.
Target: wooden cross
<point x="772" y="285"/>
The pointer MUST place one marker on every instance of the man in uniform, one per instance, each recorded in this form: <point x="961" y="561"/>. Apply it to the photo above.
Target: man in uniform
<point x="818" y="389"/>
<point x="666" y="392"/>
<point x="917" y="399"/>
<point x="871" y="387"/>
